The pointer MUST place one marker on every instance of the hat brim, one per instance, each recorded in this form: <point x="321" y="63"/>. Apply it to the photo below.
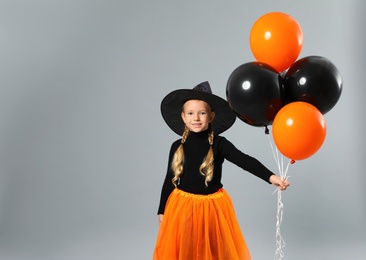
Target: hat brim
<point x="172" y="104"/>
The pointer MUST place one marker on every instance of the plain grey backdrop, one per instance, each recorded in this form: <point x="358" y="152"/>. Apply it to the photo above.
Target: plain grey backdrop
<point x="83" y="147"/>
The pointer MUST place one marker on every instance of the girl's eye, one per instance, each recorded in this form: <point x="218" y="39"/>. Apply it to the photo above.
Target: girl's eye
<point x="200" y="113"/>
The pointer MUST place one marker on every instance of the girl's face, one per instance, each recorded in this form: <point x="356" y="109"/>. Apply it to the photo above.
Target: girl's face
<point x="197" y="115"/>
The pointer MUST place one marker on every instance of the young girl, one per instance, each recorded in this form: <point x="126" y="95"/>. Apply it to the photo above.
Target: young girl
<point x="197" y="218"/>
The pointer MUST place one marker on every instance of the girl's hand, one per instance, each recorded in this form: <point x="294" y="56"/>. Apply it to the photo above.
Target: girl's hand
<point x="281" y="184"/>
<point x="160" y="216"/>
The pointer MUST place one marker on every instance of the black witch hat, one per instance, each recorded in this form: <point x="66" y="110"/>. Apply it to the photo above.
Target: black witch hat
<point x="172" y="104"/>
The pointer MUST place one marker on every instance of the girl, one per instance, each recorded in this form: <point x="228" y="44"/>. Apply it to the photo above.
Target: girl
<point x="197" y="218"/>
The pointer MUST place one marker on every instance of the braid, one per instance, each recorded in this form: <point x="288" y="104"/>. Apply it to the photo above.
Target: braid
<point x="178" y="158"/>
<point x="207" y="167"/>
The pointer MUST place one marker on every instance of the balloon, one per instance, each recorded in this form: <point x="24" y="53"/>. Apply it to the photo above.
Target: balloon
<point x="276" y="39"/>
<point x="254" y="93"/>
<point x="299" y="130"/>
<point x="315" y="80"/>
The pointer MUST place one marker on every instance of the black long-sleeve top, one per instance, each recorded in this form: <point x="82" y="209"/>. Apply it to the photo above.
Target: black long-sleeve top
<point x="195" y="150"/>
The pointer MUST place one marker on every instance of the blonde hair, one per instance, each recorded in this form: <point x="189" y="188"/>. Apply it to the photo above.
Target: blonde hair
<point x="207" y="166"/>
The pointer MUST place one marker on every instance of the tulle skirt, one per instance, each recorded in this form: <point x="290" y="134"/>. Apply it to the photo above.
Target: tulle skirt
<point x="200" y="227"/>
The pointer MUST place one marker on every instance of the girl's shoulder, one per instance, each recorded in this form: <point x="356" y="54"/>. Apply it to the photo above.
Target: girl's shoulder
<point x="221" y="141"/>
<point x="220" y="138"/>
<point x="176" y="143"/>
<point x="174" y="146"/>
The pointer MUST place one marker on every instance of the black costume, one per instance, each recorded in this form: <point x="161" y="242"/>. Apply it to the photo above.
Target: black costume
<point x="199" y="221"/>
<point x="195" y="150"/>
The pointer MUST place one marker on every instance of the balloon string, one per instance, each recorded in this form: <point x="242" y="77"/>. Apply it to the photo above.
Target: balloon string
<point x="280" y="243"/>
<point x="275" y="154"/>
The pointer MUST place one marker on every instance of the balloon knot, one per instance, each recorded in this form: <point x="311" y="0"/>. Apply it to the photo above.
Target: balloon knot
<point x="293" y="161"/>
<point x="266" y="130"/>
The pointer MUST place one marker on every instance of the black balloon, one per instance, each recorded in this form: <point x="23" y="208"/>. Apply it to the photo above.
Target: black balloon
<point x="314" y="80"/>
<point x="254" y="93"/>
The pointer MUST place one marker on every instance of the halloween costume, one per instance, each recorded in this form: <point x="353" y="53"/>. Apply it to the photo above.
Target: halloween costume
<point x="199" y="221"/>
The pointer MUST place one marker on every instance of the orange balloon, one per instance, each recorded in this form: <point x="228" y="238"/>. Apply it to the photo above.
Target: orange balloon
<point x="276" y="39"/>
<point x="298" y="130"/>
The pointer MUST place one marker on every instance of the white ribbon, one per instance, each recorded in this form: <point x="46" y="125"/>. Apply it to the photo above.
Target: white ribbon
<point x="280" y="243"/>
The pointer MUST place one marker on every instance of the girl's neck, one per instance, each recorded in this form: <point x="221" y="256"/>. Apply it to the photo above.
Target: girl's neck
<point x="198" y="134"/>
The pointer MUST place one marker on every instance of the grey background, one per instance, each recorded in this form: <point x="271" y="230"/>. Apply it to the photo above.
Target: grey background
<point x="83" y="147"/>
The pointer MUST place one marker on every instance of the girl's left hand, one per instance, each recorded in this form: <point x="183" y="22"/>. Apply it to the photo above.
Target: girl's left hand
<point x="281" y="184"/>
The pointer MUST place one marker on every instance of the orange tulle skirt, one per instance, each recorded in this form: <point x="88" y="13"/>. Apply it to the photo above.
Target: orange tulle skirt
<point x="200" y="227"/>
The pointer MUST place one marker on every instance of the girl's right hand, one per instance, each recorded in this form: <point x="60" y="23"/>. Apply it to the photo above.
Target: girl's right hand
<point x="161" y="216"/>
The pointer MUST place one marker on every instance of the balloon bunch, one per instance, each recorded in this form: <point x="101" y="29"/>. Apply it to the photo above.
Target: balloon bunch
<point x="279" y="90"/>
<point x="289" y="94"/>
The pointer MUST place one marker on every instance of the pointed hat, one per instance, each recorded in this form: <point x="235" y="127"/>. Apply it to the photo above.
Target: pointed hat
<point x="172" y="105"/>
